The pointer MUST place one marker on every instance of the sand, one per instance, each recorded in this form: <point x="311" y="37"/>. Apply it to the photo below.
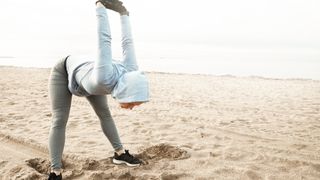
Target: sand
<point x="195" y="127"/>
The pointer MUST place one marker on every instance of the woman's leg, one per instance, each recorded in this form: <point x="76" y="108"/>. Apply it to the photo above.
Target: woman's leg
<point x="103" y="65"/>
<point x="100" y="106"/>
<point x="103" y="72"/>
<point x="60" y="98"/>
<point x="128" y="52"/>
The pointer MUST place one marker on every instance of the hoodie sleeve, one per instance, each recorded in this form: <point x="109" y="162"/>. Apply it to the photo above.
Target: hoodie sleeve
<point x="128" y="52"/>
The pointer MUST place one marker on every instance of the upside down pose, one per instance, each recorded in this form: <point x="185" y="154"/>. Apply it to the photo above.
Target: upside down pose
<point x="94" y="79"/>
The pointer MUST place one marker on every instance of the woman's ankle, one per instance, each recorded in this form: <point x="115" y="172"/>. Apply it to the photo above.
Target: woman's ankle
<point x="125" y="13"/>
<point x="119" y="151"/>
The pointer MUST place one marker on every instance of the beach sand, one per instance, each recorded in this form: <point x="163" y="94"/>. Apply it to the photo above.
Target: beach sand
<point x="194" y="127"/>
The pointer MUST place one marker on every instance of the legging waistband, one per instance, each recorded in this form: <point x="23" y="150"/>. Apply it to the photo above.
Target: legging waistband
<point x="65" y="63"/>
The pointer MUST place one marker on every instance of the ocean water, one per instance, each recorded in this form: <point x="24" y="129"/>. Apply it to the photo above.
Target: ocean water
<point x="195" y="58"/>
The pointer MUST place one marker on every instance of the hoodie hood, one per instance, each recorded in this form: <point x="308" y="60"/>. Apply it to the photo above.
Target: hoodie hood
<point x="132" y="87"/>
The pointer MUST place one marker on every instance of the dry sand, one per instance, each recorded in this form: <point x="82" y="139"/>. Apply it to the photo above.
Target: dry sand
<point x="194" y="127"/>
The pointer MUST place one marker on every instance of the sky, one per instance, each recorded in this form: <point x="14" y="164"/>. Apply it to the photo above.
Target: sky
<point x="56" y="28"/>
<point x="249" y="21"/>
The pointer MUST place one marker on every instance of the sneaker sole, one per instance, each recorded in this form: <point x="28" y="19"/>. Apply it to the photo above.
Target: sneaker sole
<point x="124" y="162"/>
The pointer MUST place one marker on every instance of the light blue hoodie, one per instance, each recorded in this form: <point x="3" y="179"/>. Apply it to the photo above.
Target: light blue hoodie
<point x="122" y="79"/>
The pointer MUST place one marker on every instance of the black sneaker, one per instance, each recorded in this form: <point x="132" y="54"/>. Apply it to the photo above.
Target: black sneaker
<point x="53" y="176"/>
<point x="114" y="5"/>
<point x="126" y="158"/>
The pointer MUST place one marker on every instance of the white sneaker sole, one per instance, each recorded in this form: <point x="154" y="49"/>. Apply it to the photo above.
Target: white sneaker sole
<point x="124" y="162"/>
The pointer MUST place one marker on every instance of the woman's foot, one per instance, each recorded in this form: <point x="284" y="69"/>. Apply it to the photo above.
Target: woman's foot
<point x="126" y="158"/>
<point x="53" y="176"/>
<point x="114" y="5"/>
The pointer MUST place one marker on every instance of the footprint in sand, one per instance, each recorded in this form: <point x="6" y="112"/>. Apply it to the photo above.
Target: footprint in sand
<point x="299" y="146"/>
<point x="238" y="155"/>
<point x="251" y="175"/>
<point x="3" y="163"/>
<point x="167" y="176"/>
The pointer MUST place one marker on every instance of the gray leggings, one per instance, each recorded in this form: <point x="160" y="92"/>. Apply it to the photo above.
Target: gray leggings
<point x="60" y="98"/>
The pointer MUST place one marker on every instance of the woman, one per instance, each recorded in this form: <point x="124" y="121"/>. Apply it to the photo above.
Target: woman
<point x="94" y="79"/>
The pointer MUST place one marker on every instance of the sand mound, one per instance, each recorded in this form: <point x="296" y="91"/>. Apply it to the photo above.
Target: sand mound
<point x="77" y="168"/>
<point x="23" y="172"/>
<point x="39" y="164"/>
<point x="162" y="151"/>
<point x="38" y="168"/>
